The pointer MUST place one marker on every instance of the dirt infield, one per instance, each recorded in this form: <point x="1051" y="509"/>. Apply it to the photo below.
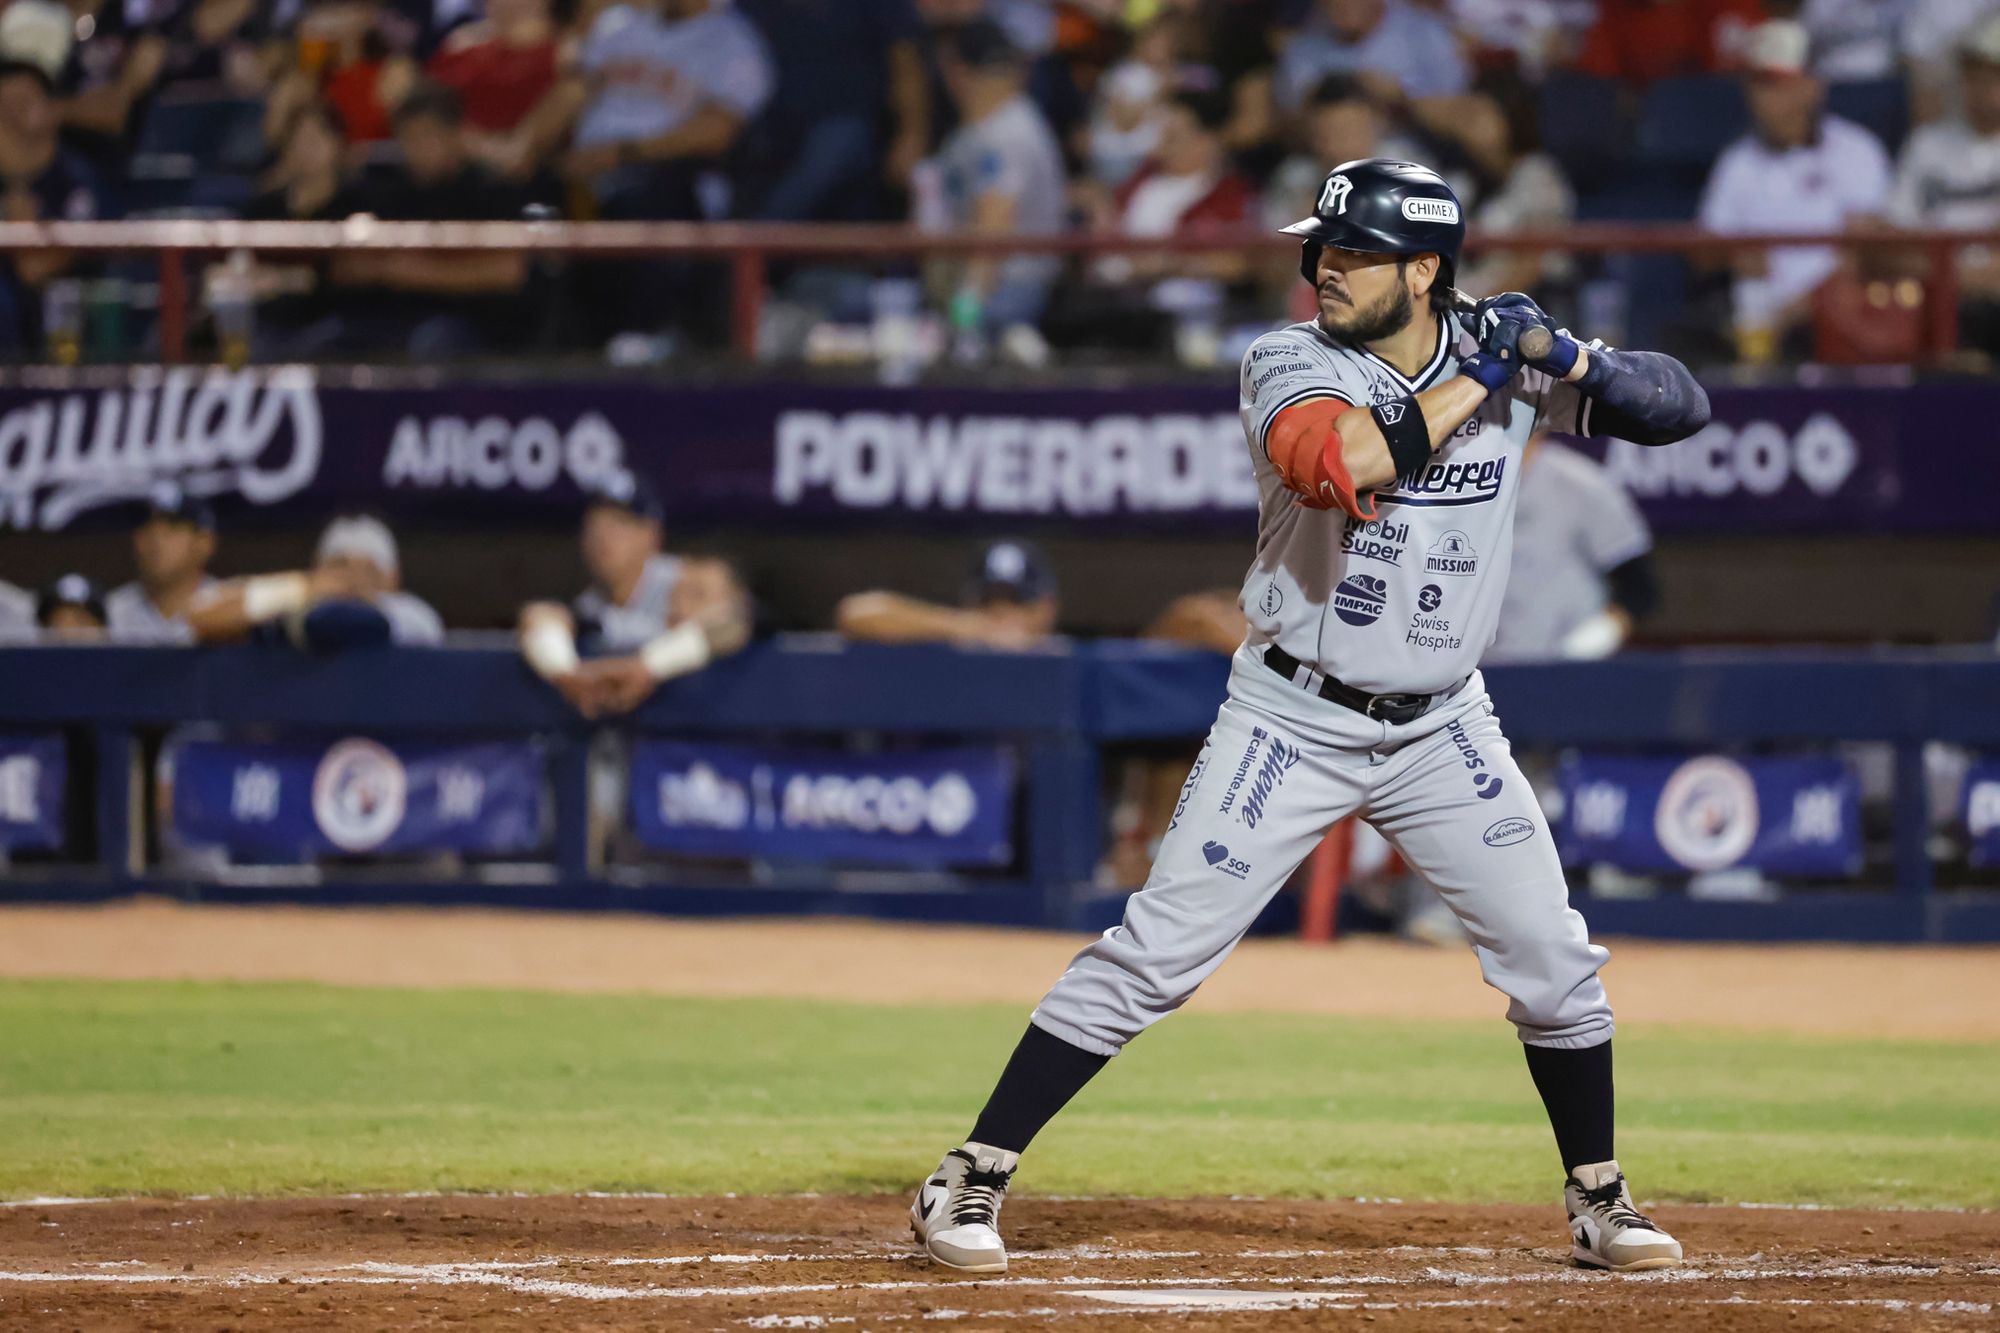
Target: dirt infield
<point x="636" y="1262"/>
<point x="1926" y="993"/>
<point x="800" y="1263"/>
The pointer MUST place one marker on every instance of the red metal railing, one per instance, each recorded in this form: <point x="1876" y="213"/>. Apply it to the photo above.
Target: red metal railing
<point x="749" y="249"/>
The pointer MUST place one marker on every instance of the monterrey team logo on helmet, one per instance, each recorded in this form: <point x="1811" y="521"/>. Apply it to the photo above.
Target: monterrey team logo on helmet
<point x="1383" y="206"/>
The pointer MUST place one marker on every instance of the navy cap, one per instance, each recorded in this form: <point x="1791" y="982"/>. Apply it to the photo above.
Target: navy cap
<point x="984" y="44"/>
<point x="1013" y="570"/>
<point x="170" y="500"/>
<point x="70" y="590"/>
<point x="630" y="492"/>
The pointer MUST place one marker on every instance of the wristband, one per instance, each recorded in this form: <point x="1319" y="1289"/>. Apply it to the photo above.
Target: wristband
<point x="1561" y="359"/>
<point x="550" y="649"/>
<point x="1407" y="433"/>
<point x="268" y="596"/>
<point x="1598" y="636"/>
<point x="675" y="653"/>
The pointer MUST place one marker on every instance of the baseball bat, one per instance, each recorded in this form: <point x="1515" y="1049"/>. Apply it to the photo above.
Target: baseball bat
<point x="1536" y="342"/>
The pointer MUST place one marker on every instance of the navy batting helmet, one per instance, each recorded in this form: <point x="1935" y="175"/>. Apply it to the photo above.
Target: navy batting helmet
<point x="1383" y="206"/>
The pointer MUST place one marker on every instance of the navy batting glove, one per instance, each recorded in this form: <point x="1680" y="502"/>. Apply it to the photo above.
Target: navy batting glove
<point x="1489" y="370"/>
<point x="1499" y="356"/>
<point x="1519" y="304"/>
<point x="1522" y="307"/>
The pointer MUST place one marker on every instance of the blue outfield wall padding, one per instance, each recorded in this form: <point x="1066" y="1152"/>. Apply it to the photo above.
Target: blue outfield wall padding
<point x="1058" y="709"/>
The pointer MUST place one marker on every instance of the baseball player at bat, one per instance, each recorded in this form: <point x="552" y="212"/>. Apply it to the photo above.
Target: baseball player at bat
<point x="1386" y="436"/>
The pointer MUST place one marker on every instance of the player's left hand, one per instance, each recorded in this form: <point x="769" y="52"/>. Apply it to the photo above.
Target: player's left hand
<point x="1498" y="359"/>
<point x="1521" y="308"/>
<point x="1518" y="305"/>
<point x="620" y="684"/>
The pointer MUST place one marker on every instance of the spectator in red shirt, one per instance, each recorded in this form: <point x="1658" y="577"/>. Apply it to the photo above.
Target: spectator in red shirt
<point x="1188" y="188"/>
<point x="1643" y="40"/>
<point x="502" y="67"/>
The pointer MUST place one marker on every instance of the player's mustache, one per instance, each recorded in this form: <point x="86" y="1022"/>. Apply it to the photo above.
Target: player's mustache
<point x="1328" y="289"/>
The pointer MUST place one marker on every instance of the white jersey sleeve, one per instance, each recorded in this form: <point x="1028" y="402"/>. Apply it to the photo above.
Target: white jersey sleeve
<point x="1287" y="367"/>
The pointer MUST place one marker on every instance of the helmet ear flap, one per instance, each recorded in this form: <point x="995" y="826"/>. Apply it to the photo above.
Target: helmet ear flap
<point x="1309" y="260"/>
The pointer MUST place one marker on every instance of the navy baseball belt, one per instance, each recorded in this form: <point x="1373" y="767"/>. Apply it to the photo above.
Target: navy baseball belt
<point x="1393" y="708"/>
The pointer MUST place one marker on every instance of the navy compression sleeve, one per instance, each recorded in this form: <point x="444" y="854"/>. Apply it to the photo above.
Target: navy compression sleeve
<point x="1644" y="397"/>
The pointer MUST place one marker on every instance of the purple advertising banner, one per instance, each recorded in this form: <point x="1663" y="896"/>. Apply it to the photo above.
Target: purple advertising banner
<point x="283" y="445"/>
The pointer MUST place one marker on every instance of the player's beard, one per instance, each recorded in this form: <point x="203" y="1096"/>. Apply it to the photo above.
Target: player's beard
<point x="1386" y="318"/>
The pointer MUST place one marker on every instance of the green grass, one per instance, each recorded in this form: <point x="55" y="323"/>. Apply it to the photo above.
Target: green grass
<point x="147" y="1088"/>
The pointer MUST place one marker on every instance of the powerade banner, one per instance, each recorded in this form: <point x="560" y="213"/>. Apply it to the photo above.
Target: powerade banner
<point x="1982" y="813"/>
<point x="297" y="800"/>
<point x="1138" y="458"/>
<point x="911" y="808"/>
<point x="33" y="773"/>
<point x="1783" y="816"/>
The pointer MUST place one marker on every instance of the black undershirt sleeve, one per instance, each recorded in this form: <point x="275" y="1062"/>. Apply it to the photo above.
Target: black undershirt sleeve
<point x="1633" y="586"/>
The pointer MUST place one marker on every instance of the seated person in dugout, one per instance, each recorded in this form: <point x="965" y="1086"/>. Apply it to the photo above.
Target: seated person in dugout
<point x="1010" y="602"/>
<point x="351" y="597"/>
<point x="646" y="617"/>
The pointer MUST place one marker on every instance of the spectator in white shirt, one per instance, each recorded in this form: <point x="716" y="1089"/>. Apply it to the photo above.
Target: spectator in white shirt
<point x="1799" y="170"/>
<point x="1931" y="34"/>
<point x="1125" y="124"/>
<point x="1852" y="40"/>
<point x="1950" y="177"/>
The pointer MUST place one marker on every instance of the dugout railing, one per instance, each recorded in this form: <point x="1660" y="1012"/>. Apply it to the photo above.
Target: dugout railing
<point x="1058" y="709"/>
<point x="750" y="250"/>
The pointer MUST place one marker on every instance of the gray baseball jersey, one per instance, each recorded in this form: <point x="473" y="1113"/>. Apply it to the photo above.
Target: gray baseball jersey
<point x="1408" y="600"/>
<point x="1572" y="525"/>
<point x="17" y="612"/>
<point x="1402" y="603"/>
<point x="412" y="620"/>
<point x="131" y="617"/>
<point x="605" y="626"/>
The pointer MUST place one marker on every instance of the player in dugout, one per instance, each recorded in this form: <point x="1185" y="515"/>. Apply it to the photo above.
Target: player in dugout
<point x="1583" y="562"/>
<point x="171" y="548"/>
<point x="1010" y="602"/>
<point x="351" y="597"/>
<point x="647" y="616"/>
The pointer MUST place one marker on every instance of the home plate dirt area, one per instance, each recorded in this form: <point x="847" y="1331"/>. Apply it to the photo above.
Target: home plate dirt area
<point x="825" y="1262"/>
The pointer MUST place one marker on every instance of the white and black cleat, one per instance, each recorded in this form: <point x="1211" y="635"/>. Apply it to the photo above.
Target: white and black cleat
<point x="1606" y="1231"/>
<point x="956" y="1214"/>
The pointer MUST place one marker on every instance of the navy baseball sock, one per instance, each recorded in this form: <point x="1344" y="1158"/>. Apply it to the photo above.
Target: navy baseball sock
<point x="1041" y="1076"/>
<point x="1576" y="1088"/>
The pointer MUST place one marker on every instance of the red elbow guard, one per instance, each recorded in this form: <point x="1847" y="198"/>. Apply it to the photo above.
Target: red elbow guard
<point x="1305" y="448"/>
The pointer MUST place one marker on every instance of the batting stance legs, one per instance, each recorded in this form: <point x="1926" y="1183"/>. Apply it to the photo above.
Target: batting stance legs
<point x="1268" y="785"/>
<point x="1280" y="767"/>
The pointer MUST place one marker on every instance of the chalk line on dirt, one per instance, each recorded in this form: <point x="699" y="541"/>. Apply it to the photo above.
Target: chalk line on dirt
<point x="376" y="1273"/>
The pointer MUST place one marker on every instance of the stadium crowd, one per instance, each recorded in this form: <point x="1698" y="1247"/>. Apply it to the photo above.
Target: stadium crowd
<point x="1138" y="117"/>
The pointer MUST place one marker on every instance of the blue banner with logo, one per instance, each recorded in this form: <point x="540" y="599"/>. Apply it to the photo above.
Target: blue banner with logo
<point x="356" y="796"/>
<point x="909" y="808"/>
<point x="1981" y="812"/>
<point x="1785" y="816"/>
<point x="34" y="771"/>
<point x="1134" y="458"/>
